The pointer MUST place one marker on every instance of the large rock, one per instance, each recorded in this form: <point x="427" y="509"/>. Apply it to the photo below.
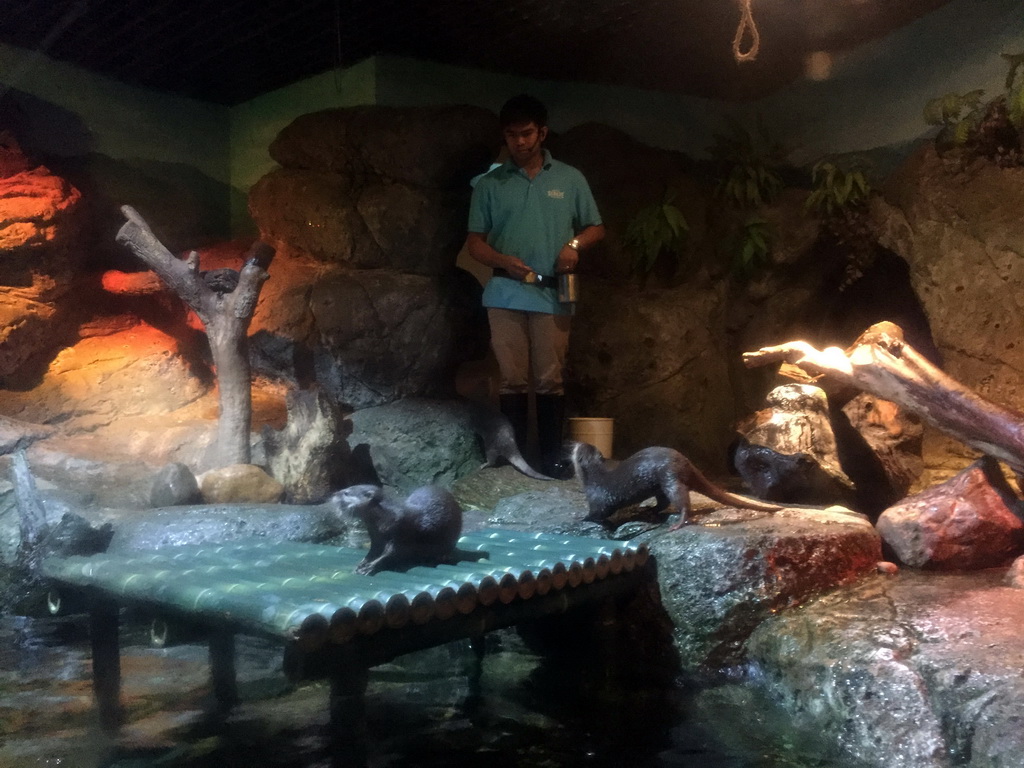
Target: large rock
<point x="376" y="187"/>
<point x="651" y="360"/>
<point x="314" y="211"/>
<point x="370" y="226"/>
<point x="958" y="228"/>
<point x="39" y="223"/>
<point x="971" y="521"/>
<point x="916" y="671"/>
<point x="416" y="442"/>
<point x="722" y="577"/>
<point x="719" y="576"/>
<point x="142" y="530"/>
<point x="389" y="335"/>
<point x="441" y="147"/>
<point x="801" y="464"/>
<point x="104" y="378"/>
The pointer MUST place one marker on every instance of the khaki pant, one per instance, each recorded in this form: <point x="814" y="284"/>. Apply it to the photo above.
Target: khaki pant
<point x="522" y="340"/>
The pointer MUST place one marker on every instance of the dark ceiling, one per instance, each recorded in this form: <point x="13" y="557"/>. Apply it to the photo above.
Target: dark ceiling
<point x="228" y="51"/>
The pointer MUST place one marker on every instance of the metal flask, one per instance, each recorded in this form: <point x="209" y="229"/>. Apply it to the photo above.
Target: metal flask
<point x="568" y="288"/>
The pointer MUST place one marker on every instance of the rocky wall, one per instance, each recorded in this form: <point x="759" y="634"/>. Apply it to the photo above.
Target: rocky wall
<point x="957" y="224"/>
<point x="368" y="212"/>
<point x="40" y="218"/>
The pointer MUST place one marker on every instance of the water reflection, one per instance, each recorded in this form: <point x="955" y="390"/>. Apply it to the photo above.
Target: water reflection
<point x="533" y="713"/>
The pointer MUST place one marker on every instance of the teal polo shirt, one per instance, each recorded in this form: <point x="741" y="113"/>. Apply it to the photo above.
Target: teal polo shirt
<point x="531" y="219"/>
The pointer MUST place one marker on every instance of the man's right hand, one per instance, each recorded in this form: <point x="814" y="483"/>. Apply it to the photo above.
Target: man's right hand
<point x="480" y="249"/>
<point x="516" y="267"/>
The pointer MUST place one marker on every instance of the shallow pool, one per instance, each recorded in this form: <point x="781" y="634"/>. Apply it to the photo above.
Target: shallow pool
<point x="531" y="712"/>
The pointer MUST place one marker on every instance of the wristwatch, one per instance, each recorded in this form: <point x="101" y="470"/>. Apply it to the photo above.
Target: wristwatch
<point x="574" y="244"/>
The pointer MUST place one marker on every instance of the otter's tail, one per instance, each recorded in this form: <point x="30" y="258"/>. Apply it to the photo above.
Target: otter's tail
<point x="701" y="484"/>
<point x="517" y="461"/>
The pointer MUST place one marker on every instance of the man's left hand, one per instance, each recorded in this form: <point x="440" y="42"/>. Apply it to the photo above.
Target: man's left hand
<point x="568" y="258"/>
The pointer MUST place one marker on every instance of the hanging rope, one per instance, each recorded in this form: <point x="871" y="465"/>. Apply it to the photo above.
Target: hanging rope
<point x="746" y="25"/>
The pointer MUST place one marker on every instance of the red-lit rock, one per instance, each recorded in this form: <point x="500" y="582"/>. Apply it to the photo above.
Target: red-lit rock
<point x="38" y="256"/>
<point x="32" y="205"/>
<point x="969" y="522"/>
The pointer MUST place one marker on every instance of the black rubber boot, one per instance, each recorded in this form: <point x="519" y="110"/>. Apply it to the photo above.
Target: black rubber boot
<point x="550" y="419"/>
<point x="516" y="408"/>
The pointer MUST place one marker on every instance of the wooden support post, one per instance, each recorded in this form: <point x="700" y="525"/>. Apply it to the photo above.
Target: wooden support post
<point x="606" y="635"/>
<point x="222" y="670"/>
<point x="475" y="673"/>
<point x="348" y="736"/>
<point x="106" y="662"/>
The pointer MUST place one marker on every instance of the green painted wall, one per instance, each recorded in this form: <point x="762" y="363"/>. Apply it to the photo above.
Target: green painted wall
<point x="255" y="123"/>
<point x="67" y="111"/>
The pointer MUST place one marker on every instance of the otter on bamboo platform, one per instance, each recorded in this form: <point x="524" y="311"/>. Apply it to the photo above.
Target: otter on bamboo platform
<point x="423" y="530"/>
<point x="663" y="473"/>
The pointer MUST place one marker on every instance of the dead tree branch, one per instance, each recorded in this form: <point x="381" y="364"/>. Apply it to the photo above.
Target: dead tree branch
<point x="882" y="363"/>
<point x="226" y="317"/>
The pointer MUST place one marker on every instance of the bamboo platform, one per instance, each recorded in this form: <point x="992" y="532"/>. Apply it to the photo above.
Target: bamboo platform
<point x="331" y="621"/>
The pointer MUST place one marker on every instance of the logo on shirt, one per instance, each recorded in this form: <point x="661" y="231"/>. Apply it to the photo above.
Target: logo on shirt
<point x="556" y="193"/>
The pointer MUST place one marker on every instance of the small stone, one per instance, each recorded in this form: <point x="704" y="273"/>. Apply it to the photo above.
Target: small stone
<point x="240" y="483"/>
<point x="174" y="485"/>
<point x="884" y="566"/>
<point x="1015" y="576"/>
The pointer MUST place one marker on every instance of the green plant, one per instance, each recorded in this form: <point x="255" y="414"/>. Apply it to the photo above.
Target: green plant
<point x="840" y="197"/>
<point x="748" y="165"/>
<point x="993" y="130"/>
<point x="753" y="246"/>
<point x="957" y="115"/>
<point x="1015" y="90"/>
<point x="836" y="188"/>
<point x="654" y="230"/>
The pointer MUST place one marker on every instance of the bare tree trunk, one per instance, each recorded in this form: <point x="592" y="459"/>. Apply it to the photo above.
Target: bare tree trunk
<point x="882" y="363"/>
<point x="226" y="317"/>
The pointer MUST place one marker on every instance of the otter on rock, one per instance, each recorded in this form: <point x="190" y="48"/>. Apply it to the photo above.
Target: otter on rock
<point x="660" y="472"/>
<point x="423" y="530"/>
<point x="498" y="438"/>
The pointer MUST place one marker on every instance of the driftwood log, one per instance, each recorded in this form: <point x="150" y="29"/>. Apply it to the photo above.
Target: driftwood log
<point x="883" y="363"/>
<point x="225" y="311"/>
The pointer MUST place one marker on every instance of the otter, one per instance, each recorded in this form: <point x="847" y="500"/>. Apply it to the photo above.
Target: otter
<point x="660" y="472"/>
<point x="423" y="530"/>
<point x="498" y="438"/>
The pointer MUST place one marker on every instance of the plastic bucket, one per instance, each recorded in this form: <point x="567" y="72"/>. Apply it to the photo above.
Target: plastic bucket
<point x="596" y="431"/>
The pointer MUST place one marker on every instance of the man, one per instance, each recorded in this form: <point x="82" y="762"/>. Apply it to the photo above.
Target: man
<point x="529" y="220"/>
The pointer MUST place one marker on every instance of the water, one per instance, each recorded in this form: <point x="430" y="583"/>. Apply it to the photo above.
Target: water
<point x="533" y="712"/>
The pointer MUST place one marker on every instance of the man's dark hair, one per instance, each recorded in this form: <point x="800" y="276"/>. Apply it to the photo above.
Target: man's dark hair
<point x="523" y="109"/>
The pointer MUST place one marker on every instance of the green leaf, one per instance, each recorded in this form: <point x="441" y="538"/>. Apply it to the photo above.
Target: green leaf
<point x="1015" y="105"/>
<point x="952" y="104"/>
<point x="961" y="133"/>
